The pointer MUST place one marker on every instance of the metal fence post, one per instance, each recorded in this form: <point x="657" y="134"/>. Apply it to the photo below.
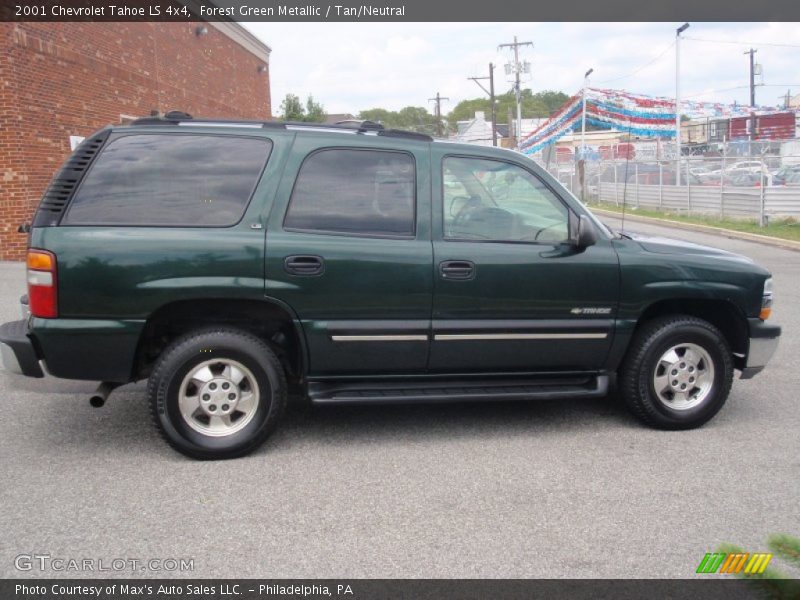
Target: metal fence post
<point x="660" y="186"/>
<point x="688" y="190"/>
<point x="636" y="175"/>
<point x="761" y="215"/>
<point x="616" y="193"/>
<point x="722" y="184"/>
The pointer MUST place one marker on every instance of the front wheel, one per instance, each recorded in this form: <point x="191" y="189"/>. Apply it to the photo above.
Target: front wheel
<point x="217" y="393"/>
<point x="678" y="372"/>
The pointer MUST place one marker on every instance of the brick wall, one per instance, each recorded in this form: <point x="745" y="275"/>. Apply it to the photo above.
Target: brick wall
<point x="63" y="79"/>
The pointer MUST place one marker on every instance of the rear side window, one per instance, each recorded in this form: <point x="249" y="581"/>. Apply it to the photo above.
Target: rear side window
<point x="170" y="180"/>
<point x="354" y="192"/>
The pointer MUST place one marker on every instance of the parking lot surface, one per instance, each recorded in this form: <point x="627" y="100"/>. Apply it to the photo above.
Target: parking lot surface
<point x="568" y="488"/>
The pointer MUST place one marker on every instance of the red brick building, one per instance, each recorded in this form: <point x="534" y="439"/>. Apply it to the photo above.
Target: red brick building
<point x="64" y="80"/>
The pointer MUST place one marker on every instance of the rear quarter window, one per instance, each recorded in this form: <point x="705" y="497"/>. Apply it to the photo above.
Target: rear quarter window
<point x="181" y="180"/>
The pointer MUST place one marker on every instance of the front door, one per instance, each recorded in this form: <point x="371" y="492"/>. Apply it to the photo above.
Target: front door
<point x="510" y="292"/>
<point x="348" y="248"/>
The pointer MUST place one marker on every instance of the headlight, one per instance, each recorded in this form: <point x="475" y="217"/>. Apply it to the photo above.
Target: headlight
<point x="766" y="300"/>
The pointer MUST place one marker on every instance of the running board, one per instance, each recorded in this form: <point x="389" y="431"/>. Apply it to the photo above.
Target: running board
<point x="457" y="390"/>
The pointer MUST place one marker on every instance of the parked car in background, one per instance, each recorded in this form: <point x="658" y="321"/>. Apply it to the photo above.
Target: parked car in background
<point x="699" y="171"/>
<point x="755" y="166"/>
<point x="652" y="175"/>
<point x="780" y="176"/>
<point x="792" y="179"/>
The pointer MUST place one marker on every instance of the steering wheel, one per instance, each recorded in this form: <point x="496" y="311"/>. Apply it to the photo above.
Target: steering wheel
<point x="470" y="204"/>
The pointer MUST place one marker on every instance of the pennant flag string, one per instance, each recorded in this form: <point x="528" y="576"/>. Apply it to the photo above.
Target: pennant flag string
<point x="637" y="114"/>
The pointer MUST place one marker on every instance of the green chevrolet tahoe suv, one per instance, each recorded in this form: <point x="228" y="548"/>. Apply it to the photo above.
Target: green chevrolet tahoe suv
<point x="227" y="261"/>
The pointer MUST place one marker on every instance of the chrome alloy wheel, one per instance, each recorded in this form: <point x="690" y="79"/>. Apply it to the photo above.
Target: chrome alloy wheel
<point x="684" y="376"/>
<point x="218" y="397"/>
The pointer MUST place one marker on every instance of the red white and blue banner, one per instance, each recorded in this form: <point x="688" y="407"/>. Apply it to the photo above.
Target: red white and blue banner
<point x="636" y="114"/>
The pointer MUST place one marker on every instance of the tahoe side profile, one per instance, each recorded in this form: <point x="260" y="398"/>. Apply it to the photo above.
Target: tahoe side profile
<point x="230" y="261"/>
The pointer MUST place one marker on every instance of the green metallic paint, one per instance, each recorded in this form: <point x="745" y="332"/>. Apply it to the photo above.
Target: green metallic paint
<point x="92" y="349"/>
<point x="365" y="278"/>
<point x="648" y="277"/>
<point x="535" y="282"/>
<point x="111" y="279"/>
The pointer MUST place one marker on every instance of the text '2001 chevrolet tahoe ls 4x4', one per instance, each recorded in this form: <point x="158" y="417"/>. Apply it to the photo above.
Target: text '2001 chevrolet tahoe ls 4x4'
<point x="226" y="260"/>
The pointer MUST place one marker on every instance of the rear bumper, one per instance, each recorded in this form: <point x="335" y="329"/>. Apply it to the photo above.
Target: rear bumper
<point x="763" y="343"/>
<point x="17" y="350"/>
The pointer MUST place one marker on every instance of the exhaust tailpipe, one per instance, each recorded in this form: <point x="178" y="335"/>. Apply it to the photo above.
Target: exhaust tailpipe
<point x="98" y="399"/>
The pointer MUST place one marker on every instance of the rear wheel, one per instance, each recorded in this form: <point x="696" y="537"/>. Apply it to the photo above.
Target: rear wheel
<point x="217" y="393"/>
<point x="678" y="372"/>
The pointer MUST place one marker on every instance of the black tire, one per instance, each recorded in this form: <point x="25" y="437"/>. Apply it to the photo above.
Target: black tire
<point x="649" y="344"/>
<point x="189" y="352"/>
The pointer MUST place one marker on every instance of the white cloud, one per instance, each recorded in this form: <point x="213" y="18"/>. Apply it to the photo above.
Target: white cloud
<point x="353" y="66"/>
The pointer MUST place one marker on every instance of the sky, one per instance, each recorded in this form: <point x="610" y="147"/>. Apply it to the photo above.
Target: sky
<point x="350" y="67"/>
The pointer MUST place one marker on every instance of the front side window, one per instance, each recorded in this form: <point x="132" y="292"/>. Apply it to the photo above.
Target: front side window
<point x="171" y="180"/>
<point x="354" y="192"/>
<point x="497" y="201"/>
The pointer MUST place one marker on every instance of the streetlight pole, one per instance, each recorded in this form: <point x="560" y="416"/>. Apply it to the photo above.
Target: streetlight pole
<point x="752" y="52"/>
<point x="582" y="160"/>
<point x="678" y="33"/>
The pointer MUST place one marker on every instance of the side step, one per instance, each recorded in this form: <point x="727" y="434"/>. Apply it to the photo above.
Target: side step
<point x="457" y="390"/>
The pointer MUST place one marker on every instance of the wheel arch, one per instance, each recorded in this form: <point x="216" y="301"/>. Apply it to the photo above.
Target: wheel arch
<point x="722" y="314"/>
<point x="269" y="319"/>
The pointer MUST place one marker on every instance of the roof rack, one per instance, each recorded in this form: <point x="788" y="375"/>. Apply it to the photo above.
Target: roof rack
<point x="176" y="117"/>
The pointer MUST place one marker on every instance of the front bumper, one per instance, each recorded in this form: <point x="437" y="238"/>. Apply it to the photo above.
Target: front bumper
<point x="17" y="350"/>
<point x="763" y="343"/>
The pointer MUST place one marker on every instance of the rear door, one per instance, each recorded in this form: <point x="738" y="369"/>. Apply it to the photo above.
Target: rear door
<point x="510" y="292"/>
<point x="349" y="250"/>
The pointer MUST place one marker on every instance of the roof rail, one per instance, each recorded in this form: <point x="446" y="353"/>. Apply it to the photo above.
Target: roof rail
<point x="176" y="117"/>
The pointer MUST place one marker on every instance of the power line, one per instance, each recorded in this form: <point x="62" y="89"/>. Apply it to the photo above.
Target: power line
<point x="643" y="67"/>
<point x="738" y="87"/>
<point x="742" y="87"/>
<point x="742" y="43"/>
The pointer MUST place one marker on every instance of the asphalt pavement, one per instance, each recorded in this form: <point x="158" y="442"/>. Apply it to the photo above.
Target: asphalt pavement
<point x="569" y="488"/>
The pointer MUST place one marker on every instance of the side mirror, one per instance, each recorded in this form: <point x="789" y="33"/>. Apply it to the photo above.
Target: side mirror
<point x="586" y="235"/>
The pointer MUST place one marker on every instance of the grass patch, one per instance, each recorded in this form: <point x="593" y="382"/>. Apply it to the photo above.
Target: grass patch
<point x="783" y="228"/>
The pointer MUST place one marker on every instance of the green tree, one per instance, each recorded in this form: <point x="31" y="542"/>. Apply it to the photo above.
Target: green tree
<point x="540" y="104"/>
<point x="292" y="109"/>
<point x="413" y="118"/>
<point x="379" y="115"/>
<point x="315" y="112"/>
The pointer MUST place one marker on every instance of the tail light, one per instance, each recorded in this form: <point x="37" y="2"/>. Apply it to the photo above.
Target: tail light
<point x="42" y="284"/>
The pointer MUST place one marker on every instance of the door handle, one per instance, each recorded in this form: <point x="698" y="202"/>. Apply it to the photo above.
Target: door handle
<point x="458" y="270"/>
<point x="300" y="264"/>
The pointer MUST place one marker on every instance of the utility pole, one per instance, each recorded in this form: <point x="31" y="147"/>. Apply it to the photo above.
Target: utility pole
<point x="752" y="52"/>
<point x="438" y="99"/>
<point x="490" y="91"/>
<point x="787" y="99"/>
<point x="517" y="68"/>
<point x="678" y="33"/>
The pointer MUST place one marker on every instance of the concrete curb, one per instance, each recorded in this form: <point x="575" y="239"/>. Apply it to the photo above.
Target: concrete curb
<point x="728" y="233"/>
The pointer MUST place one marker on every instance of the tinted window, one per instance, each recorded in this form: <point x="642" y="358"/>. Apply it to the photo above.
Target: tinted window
<point x="498" y="201"/>
<point x="177" y="180"/>
<point x="360" y="192"/>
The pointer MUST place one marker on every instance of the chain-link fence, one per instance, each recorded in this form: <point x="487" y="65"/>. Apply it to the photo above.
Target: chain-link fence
<point x="755" y="180"/>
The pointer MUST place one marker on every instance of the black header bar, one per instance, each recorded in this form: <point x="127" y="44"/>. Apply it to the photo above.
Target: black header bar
<point x="397" y="10"/>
